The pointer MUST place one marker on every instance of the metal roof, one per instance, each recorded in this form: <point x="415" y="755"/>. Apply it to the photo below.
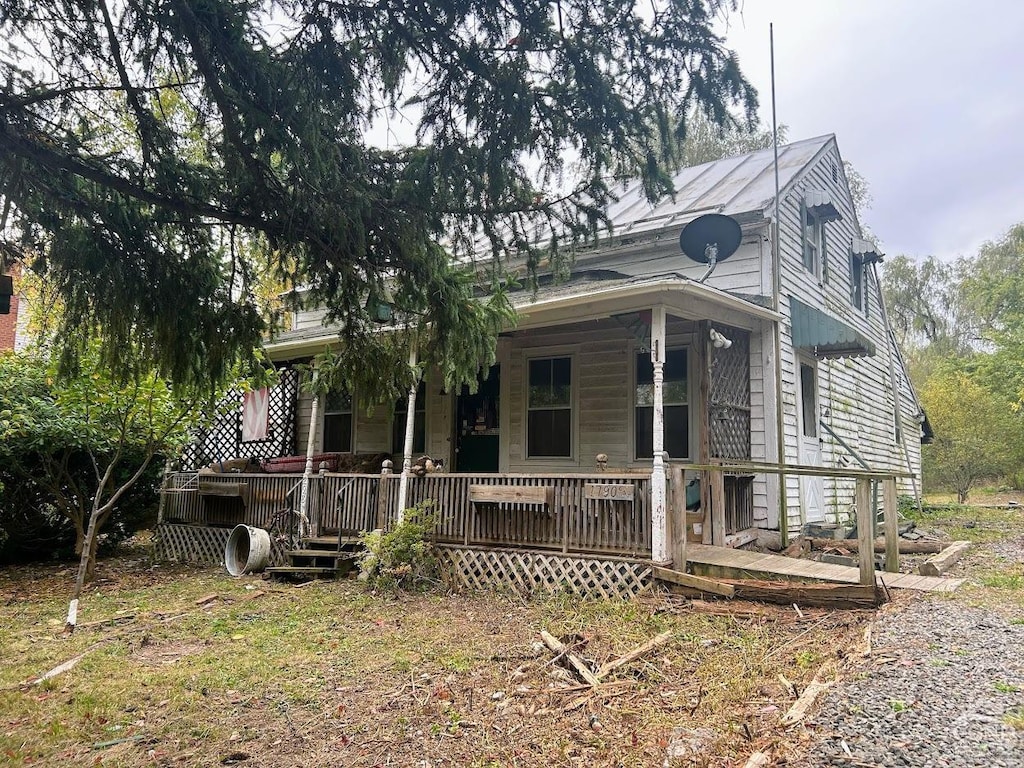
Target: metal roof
<point x="732" y="185"/>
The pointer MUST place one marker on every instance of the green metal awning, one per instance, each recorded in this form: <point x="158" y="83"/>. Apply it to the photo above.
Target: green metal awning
<point x="824" y="335"/>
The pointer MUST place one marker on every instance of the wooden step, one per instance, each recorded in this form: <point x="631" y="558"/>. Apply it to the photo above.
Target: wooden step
<point x="301" y="570"/>
<point x="328" y="542"/>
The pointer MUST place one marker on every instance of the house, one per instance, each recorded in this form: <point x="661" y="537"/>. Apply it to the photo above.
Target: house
<point x="13" y="311"/>
<point x="776" y="365"/>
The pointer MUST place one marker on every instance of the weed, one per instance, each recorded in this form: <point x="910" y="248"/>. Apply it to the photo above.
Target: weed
<point x="1015" y="718"/>
<point x="936" y="662"/>
<point x="897" y="705"/>
<point x="402" y="558"/>
<point x="806" y="659"/>
<point x="1004" y="687"/>
<point x="999" y="580"/>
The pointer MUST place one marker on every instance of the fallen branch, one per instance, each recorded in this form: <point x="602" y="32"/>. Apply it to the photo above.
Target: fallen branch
<point x="559" y="647"/>
<point x="799" y="709"/>
<point x="633" y="655"/>
<point x="60" y="669"/>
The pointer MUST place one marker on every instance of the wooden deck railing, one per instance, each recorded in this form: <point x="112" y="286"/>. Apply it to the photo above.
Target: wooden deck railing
<point x="595" y="513"/>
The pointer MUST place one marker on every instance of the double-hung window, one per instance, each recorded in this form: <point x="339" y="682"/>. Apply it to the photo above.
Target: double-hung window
<point x="858" y="296"/>
<point x="338" y="421"/>
<point x="675" y="398"/>
<point x="549" y="408"/>
<point x="419" y="428"/>
<point x="813" y="230"/>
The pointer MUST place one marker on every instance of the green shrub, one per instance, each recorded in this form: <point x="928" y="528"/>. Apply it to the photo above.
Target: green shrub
<point x="404" y="557"/>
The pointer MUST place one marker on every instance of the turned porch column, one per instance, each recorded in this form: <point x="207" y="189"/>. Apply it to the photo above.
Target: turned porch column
<point x="659" y="516"/>
<point x="410" y="424"/>
<point x="314" y="423"/>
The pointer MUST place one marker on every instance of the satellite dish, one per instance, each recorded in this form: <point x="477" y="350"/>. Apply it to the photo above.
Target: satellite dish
<point x="710" y="238"/>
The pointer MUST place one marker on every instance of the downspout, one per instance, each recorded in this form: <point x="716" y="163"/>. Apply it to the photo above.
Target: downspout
<point x="780" y="446"/>
<point x="659" y="527"/>
<point x="410" y="424"/>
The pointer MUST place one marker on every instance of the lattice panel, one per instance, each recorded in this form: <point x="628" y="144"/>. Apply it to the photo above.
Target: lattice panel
<point x="200" y="545"/>
<point x="729" y="416"/>
<point x="529" y="572"/>
<point x="223" y="439"/>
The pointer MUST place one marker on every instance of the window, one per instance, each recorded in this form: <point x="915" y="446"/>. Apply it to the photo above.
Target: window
<point x="675" y="398"/>
<point x="813" y="228"/>
<point x="419" y="427"/>
<point x="338" y="422"/>
<point x="858" y="296"/>
<point x="549" y="408"/>
<point x="808" y="400"/>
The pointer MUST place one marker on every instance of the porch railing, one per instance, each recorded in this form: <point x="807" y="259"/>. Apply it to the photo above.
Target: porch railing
<point x="594" y="513"/>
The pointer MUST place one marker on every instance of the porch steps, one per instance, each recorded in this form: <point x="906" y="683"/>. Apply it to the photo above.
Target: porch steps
<point x="320" y="557"/>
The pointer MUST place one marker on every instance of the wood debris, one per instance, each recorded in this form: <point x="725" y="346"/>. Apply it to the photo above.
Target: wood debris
<point x="800" y="707"/>
<point x="946" y="559"/>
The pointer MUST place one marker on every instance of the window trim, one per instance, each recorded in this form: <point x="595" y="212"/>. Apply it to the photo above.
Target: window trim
<point x="858" y="261"/>
<point x="323" y="422"/>
<point x="549" y="353"/>
<point x="691" y="386"/>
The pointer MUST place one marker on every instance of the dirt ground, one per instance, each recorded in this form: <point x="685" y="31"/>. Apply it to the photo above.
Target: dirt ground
<point x="178" y="666"/>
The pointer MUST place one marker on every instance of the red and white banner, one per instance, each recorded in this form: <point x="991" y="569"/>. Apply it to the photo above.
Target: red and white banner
<point x="255" y="415"/>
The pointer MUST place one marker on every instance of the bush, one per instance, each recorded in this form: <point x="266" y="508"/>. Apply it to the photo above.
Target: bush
<point x="404" y="557"/>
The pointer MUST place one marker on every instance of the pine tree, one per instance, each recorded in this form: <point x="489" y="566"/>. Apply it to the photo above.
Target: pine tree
<point x="146" y="146"/>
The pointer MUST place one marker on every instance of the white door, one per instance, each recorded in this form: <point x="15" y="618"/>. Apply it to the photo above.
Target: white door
<point x="812" y="489"/>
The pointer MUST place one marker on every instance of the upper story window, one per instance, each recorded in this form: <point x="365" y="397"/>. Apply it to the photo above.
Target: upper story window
<point x="549" y="408"/>
<point x="419" y="428"/>
<point x="858" y="297"/>
<point x="338" y="422"/>
<point x="675" y="397"/>
<point x="816" y="209"/>
<point x="862" y="253"/>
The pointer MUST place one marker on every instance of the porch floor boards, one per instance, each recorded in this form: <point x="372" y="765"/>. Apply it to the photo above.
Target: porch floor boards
<point x="789" y="566"/>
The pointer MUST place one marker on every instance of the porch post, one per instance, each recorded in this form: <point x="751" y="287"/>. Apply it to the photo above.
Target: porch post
<point x="659" y="518"/>
<point x="410" y="424"/>
<point x="304" y="527"/>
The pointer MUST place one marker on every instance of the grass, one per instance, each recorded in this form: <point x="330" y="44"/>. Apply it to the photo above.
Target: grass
<point x="331" y="674"/>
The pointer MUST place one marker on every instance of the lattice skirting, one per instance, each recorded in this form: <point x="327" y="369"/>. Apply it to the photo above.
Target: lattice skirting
<point x="529" y="572"/>
<point x="201" y="545"/>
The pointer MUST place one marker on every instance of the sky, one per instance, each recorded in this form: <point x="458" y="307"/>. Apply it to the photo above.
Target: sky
<point x="925" y="97"/>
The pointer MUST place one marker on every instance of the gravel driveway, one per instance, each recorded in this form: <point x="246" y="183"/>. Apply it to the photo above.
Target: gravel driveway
<point x="937" y="690"/>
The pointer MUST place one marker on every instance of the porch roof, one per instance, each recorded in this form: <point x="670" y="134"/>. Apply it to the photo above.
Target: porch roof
<point x="824" y="335"/>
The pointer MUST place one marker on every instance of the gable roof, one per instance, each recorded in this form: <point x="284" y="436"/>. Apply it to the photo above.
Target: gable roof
<point x="732" y="185"/>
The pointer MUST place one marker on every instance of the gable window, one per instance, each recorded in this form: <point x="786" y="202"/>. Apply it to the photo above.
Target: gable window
<point x="858" y="295"/>
<point x="549" y="408"/>
<point x="675" y="397"/>
<point x="813" y="231"/>
<point x="419" y="428"/>
<point x="338" y="422"/>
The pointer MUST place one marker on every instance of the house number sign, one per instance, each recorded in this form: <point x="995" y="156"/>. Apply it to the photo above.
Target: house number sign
<point x="611" y="491"/>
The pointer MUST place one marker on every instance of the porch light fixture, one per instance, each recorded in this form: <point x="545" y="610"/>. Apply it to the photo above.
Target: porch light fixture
<point x="720" y="341"/>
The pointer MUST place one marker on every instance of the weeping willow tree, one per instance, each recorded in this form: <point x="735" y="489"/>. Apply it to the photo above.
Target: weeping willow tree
<point x="146" y="147"/>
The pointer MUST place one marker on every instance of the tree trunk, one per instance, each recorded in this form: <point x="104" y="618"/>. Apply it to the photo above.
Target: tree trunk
<point x="85" y="568"/>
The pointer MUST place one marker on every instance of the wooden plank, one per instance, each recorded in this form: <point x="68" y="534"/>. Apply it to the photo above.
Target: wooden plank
<point x="906" y="546"/>
<point x="610" y="491"/>
<point x="511" y="494"/>
<point x="718" y="508"/>
<point x="224" y="490"/>
<point x="799" y="709"/>
<point x="711" y="586"/>
<point x="815" y="595"/>
<point x="679" y="523"/>
<point x="946" y="559"/>
<point x="892" y="534"/>
<point x="865" y="530"/>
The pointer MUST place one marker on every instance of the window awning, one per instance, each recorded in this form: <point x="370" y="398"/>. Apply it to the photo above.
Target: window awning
<point x="824" y="335"/>
<point x="820" y="205"/>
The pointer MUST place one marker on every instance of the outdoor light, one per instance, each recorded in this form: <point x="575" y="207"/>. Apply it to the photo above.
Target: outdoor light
<point x="720" y="341"/>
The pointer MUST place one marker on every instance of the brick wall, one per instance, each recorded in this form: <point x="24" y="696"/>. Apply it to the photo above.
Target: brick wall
<point x="9" y="323"/>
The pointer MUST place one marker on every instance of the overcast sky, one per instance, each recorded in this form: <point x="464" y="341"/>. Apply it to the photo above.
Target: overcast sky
<point x="926" y="98"/>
